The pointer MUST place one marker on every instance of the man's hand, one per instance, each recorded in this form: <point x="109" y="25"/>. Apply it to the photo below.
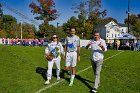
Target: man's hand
<point x="78" y="58"/>
<point x="102" y="47"/>
<point x="89" y="45"/>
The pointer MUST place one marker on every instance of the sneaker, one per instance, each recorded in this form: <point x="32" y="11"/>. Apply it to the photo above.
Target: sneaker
<point x="94" y="90"/>
<point x="58" y="78"/>
<point x="71" y="83"/>
<point x="47" y="82"/>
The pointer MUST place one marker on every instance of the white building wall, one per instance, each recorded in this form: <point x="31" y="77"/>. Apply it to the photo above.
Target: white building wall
<point x="124" y="29"/>
<point x="111" y="30"/>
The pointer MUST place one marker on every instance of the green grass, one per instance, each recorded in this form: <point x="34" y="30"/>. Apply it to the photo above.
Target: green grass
<point x="120" y="74"/>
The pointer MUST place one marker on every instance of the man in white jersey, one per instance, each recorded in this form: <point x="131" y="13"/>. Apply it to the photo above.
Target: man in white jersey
<point x="72" y="48"/>
<point x="98" y="46"/>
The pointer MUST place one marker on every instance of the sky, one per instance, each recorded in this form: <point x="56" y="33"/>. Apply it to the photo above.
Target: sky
<point x="115" y="8"/>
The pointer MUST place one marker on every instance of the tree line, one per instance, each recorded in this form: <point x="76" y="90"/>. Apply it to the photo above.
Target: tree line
<point x="89" y="15"/>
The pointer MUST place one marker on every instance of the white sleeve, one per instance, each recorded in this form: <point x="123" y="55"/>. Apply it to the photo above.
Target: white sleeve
<point x="104" y="45"/>
<point x="90" y="41"/>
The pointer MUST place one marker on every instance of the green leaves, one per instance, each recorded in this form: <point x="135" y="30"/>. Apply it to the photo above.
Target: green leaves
<point x="136" y="29"/>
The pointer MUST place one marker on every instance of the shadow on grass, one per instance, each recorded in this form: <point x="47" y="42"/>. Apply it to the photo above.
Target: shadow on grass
<point x="43" y="73"/>
<point x="84" y="81"/>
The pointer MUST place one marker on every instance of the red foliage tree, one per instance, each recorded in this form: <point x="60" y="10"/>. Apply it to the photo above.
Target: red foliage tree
<point x="45" y="10"/>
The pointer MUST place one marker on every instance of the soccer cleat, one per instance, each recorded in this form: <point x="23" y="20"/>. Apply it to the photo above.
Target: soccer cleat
<point x="71" y="83"/>
<point x="58" y="78"/>
<point x="47" y="82"/>
<point x="94" y="90"/>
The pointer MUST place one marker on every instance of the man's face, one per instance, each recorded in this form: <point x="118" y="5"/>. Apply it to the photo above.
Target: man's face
<point x="72" y="31"/>
<point x="97" y="36"/>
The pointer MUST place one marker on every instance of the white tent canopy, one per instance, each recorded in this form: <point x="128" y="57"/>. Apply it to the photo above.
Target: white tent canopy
<point x="126" y="36"/>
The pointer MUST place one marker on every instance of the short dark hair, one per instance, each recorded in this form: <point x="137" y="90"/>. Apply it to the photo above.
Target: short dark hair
<point x="93" y="32"/>
<point x="72" y="27"/>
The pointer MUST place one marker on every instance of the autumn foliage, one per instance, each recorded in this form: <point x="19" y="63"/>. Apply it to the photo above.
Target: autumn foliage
<point x="45" y="10"/>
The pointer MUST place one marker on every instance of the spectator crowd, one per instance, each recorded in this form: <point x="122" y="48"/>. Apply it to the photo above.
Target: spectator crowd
<point x="25" y="42"/>
<point x="118" y="45"/>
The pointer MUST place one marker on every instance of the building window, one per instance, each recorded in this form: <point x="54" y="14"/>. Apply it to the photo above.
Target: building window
<point x="118" y="34"/>
<point x="115" y="35"/>
<point x="107" y="35"/>
<point x="122" y="30"/>
<point x="112" y="35"/>
<point x="107" y="31"/>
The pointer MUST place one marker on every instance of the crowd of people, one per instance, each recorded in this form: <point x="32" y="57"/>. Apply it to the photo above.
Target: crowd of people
<point x="124" y="45"/>
<point x="118" y="45"/>
<point x="25" y="42"/>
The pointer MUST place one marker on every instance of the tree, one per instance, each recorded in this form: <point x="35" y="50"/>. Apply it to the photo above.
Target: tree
<point x="7" y="25"/>
<point x="47" y="29"/>
<point x="71" y="22"/>
<point x="138" y="16"/>
<point x="132" y="19"/>
<point x="44" y="11"/>
<point x="136" y="29"/>
<point x="2" y="34"/>
<point x="28" y="30"/>
<point x="89" y="9"/>
<point x="1" y="12"/>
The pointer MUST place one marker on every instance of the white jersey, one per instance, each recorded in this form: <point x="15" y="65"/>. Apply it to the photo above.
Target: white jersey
<point x="97" y="52"/>
<point x="54" y="48"/>
<point x="72" y="42"/>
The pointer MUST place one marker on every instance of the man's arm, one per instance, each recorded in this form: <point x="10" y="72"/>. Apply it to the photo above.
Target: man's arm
<point x="103" y="46"/>
<point x="65" y="47"/>
<point x="88" y="46"/>
<point x="78" y="50"/>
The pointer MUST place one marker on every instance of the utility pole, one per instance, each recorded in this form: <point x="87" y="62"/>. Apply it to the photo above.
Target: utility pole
<point x="21" y="31"/>
<point x="128" y="12"/>
<point x="57" y="25"/>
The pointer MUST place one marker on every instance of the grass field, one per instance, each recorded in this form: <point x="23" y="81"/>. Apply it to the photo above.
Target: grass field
<point x="120" y="73"/>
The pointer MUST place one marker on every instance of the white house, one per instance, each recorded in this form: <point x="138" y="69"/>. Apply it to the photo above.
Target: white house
<point x="109" y="31"/>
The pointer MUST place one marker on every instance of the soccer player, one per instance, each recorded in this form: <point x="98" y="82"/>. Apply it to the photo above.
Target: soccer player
<point x="98" y="46"/>
<point x="72" y="48"/>
<point x="55" y="48"/>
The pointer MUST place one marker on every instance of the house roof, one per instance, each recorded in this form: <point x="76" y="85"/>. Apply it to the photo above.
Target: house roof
<point x="122" y="25"/>
<point x="103" y="23"/>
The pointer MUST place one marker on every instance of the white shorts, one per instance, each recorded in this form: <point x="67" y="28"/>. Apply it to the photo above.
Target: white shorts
<point x="71" y="59"/>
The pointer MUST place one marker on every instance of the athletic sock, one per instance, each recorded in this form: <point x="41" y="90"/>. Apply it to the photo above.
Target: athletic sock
<point x="72" y="78"/>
